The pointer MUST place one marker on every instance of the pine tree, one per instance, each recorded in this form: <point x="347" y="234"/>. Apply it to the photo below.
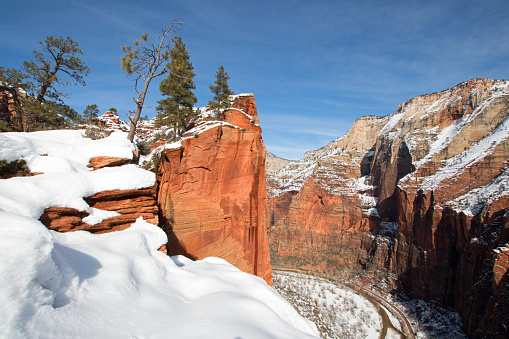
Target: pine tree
<point x="40" y="106"/>
<point x="221" y="91"/>
<point x="177" y="109"/>
<point x="56" y="64"/>
<point x="91" y="112"/>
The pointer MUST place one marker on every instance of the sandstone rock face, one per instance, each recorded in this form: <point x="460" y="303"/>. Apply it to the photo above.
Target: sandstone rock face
<point x="321" y="213"/>
<point x="422" y="195"/>
<point x="212" y="191"/>
<point x="111" y="122"/>
<point x="101" y="162"/>
<point x="129" y="205"/>
<point x="11" y="119"/>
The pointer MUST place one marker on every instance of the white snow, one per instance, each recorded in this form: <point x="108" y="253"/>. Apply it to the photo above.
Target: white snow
<point x="114" y="285"/>
<point x="338" y="311"/>
<point x="475" y="200"/>
<point x="394" y="120"/>
<point x="457" y="164"/>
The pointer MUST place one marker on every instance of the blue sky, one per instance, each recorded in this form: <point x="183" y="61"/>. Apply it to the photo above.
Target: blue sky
<point x="314" y="66"/>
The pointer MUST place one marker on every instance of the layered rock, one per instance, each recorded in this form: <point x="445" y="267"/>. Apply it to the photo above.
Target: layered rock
<point x="212" y="191"/>
<point x="274" y="163"/>
<point x="126" y="205"/>
<point x="426" y="194"/>
<point x="321" y="210"/>
<point x="111" y="122"/>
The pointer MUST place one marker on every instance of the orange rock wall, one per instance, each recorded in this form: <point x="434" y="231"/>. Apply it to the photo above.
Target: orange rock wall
<point x="212" y="193"/>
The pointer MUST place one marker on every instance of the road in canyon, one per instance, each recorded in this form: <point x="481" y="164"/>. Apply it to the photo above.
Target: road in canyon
<point x="383" y="306"/>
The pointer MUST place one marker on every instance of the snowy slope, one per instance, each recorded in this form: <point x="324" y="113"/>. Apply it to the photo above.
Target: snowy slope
<point x="114" y="285"/>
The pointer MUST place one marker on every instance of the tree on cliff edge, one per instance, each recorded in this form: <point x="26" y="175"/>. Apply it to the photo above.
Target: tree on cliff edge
<point x="177" y="109"/>
<point x="144" y="60"/>
<point x="221" y="91"/>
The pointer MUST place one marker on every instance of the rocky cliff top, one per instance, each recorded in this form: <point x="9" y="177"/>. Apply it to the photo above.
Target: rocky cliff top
<point x="71" y="280"/>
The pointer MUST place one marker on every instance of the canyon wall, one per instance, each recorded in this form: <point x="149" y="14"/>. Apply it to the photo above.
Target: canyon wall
<point x="212" y="192"/>
<point x="417" y="200"/>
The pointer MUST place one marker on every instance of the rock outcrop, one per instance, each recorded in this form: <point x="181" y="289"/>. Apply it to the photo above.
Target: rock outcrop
<point x="212" y="192"/>
<point x="11" y="119"/>
<point x="127" y="205"/>
<point x="420" y="196"/>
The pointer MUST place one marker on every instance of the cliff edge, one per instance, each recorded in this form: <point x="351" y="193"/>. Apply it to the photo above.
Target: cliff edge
<point x="212" y="191"/>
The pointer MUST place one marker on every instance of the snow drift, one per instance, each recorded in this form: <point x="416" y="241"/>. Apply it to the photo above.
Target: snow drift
<point x="114" y="285"/>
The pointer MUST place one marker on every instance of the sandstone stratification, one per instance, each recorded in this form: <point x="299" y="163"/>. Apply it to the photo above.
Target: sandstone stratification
<point x="321" y="212"/>
<point x="129" y="205"/>
<point x="212" y="191"/>
<point x="432" y="182"/>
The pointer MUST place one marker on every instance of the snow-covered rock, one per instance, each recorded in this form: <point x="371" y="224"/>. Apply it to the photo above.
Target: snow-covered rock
<point x="114" y="285"/>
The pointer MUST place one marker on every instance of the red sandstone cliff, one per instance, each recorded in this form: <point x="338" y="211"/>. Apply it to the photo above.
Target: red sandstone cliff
<point x="420" y="196"/>
<point x="212" y="191"/>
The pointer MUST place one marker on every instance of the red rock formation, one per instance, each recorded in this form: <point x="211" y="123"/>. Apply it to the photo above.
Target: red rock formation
<point x="324" y="220"/>
<point x="11" y="118"/>
<point x="130" y="204"/>
<point x="212" y="192"/>
<point x="437" y="169"/>
<point x="110" y="120"/>
<point x="101" y="162"/>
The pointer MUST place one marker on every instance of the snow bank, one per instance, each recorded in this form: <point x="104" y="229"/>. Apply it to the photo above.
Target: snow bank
<point x="114" y="285"/>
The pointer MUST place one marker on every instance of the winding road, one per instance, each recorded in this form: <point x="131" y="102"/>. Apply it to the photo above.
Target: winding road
<point x="382" y="305"/>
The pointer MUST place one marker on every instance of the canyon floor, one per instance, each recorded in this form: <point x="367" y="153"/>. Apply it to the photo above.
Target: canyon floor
<point x="342" y="312"/>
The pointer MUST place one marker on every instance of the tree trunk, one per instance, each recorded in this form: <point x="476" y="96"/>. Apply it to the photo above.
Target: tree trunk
<point x="47" y="83"/>
<point x="139" y="107"/>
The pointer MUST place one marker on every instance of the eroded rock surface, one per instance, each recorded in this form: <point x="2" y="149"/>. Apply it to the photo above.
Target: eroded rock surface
<point x="129" y="204"/>
<point x="212" y="192"/>
<point x="422" y="195"/>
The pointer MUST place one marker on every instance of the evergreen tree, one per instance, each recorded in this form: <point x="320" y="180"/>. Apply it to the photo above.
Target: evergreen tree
<point x="39" y="105"/>
<point x="177" y="109"/>
<point x="55" y="64"/>
<point x="221" y="91"/>
<point x="91" y="112"/>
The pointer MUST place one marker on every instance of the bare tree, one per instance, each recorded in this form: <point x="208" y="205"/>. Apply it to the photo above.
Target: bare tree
<point x="145" y="61"/>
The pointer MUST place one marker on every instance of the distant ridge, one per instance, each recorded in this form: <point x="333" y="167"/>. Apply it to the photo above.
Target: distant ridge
<point x="273" y="163"/>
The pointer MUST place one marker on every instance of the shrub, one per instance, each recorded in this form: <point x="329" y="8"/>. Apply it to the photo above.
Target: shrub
<point x="14" y="168"/>
<point x="95" y="133"/>
<point x="143" y="147"/>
